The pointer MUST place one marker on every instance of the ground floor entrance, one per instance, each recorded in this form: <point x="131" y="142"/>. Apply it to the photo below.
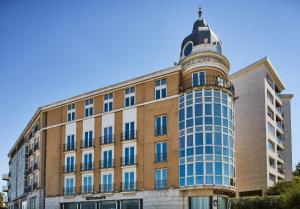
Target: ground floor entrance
<point x="107" y="204"/>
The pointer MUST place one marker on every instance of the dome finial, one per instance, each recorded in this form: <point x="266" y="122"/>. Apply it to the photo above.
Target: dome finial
<point x="200" y="13"/>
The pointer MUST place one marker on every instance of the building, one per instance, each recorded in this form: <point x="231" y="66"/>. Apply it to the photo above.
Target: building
<point x="263" y="129"/>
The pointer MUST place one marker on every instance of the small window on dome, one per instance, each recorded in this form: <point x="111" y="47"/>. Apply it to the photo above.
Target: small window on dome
<point x="219" y="49"/>
<point x="188" y="49"/>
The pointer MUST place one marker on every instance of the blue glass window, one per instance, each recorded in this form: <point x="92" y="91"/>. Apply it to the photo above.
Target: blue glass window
<point x="129" y="158"/>
<point x="107" y="159"/>
<point x="218" y="168"/>
<point x="130" y="97"/>
<point x="160" y="89"/>
<point x="198" y="110"/>
<point x="182" y="170"/>
<point x="199" y="150"/>
<point x="108" y="102"/>
<point x="208" y="120"/>
<point x="199" y="138"/>
<point x="224" y="111"/>
<point x="188" y="49"/>
<point x="225" y="140"/>
<point x="209" y="179"/>
<point x="208" y="109"/>
<point x="161" y="125"/>
<point x="107" y="183"/>
<point x="182" y="142"/>
<point x="198" y="78"/>
<point x="190" y="169"/>
<point x="129" y="131"/>
<point x="199" y="168"/>
<point x="209" y="168"/>
<point x="217" y="109"/>
<point x="208" y="150"/>
<point x="190" y="140"/>
<point x="181" y="115"/>
<point x="161" y="152"/>
<point x="218" y="138"/>
<point x="218" y="150"/>
<point x="190" y="151"/>
<point x="161" y="176"/>
<point x="189" y="112"/>
<point x="199" y="180"/>
<point x="199" y="121"/>
<point x="208" y="138"/>
<point x="108" y="135"/>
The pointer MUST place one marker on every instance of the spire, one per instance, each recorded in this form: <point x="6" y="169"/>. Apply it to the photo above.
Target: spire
<point x="200" y="13"/>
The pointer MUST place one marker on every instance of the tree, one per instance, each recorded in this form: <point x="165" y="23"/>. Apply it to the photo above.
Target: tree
<point x="2" y="204"/>
<point x="297" y="171"/>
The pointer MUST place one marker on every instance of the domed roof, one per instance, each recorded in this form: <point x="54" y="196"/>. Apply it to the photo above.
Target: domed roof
<point x="202" y="38"/>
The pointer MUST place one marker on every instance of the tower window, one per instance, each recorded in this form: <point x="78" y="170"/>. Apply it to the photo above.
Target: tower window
<point x="188" y="49"/>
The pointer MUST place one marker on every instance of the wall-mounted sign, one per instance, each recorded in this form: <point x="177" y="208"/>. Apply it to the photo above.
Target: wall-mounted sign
<point x="95" y="198"/>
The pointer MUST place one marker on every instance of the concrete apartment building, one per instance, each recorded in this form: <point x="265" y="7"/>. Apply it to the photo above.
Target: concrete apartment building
<point x="162" y="140"/>
<point x="262" y="129"/>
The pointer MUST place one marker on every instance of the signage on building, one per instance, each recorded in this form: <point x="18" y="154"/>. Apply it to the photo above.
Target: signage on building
<point x="95" y="198"/>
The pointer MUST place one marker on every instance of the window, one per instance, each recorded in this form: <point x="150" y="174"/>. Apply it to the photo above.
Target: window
<point x="272" y="178"/>
<point x="88" y="139"/>
<point x="199" y="78"/>
<point x="89" y="107"/>
<point x="270" y="97"/>
<point x="160" y="89"/>
<point x="107" y="159"/>
<point x="130" y="132"/>
<point x="161" y="152"/>
<point x="161" y="176"/>
<point x="107" y="135"/>
<point x="160" y="125"/>
<point x="70" y="143"/>
<point x="70" y="164"/>
<point x="69" y="186"/>
<point x="128" y="181"/>
<point x="88" y="163"/>
<point x="108" y="102"/>
<point x="272" y="162"/>
<point x="270" y="113"/>
<point x="271" y="129"/>
<point x="129" y="156"/>
<point x="200" y="203"/>
<point x="220" y="81"/>
<point x="130" y="97"/>
<point x="107" y="183"/>
<point x="271" y="145"/>
<point x="71" y="112"/>
<point x="222" y="202"/>
<point x="87" y="184"/>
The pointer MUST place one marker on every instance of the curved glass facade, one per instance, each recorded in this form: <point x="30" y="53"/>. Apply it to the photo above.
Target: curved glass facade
<point x="206" y="130"/>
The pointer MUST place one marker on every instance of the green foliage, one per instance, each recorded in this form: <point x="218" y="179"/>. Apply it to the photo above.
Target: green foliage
<point x="274" y="202"/>
<point x="291" y="198"/>
<point x="297" y="171"/>
<point x="279" y="188"/>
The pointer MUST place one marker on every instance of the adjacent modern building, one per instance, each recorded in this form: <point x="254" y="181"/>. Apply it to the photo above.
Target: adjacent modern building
<point x="162" y="140"/>
<point x="262" y="129"/>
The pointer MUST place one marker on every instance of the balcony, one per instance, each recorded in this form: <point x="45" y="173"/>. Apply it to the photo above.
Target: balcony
<point x="69" y="147"/>
<point x="108" y="139"/>
<point x="280" y="170"/>
<point x="107" y="188"/>
<point x="279" y="112"/>
<point x="129" y="135"/>
<point x="30" y="152"/>
<point x="160" y="157"/>
<point x="280" y="126"/>
<point x="128" y="161"/>
<point x="129" y="186"/>
<point x="4" y="188"/>
<point x="87" y="166"/>
<point x="69" y="191"/>
<point x="161" y="130"/>
<point x="36" y="146"/>
<point x="87" y="143"/>
<point x="207" y="81"/>
<point x="280" y="139"/>
<point x="36" y="166"/>
<point x="36" y="186"/>
<point x="87" y="189"/>
<point x="280" y="155"/>
<point x="104" y="164"/>
<point x="160" y="184"/>
<point x="30" y="170"/>
<point x="5" y="177"/>
<point x="69" y="169"/>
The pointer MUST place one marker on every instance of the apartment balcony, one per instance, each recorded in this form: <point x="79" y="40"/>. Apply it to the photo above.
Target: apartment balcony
<point x="280" y="170"/>
<point x="5" y="177"/>
<point x="87" y="189"/>
<point x="280" y="139"/>
<point x="161" y="130"/>
<point x="36" y="146"/>
<point x="107" y="188"/>
<point x="36" y="186"/>
<point x="36" y="166"/>
<point x="69" y="191"/>
<point x="30" y="170"/>
<point x="87" y="166"/>
<point x="87" y="144"/>
<point x="128" y="161"/>
<point x="30" y="152"/>
<point x="69" y="169"/>
<point x="4" y="188"/>
<point x="278" y="99"/>
<point x="280" y="126"/>
<point x="160" y="157"/>
<point x="207" y="81"/>
<point x="129" y="135"/>
<point x="28" y="189"/>
<point x="280" y="155"/>
<point x="130" y="186"/>
<point x="108" y="139"/>
<point x="161" y="184"/>
<point x="69" y="147"/>
<point x="104" y="164"/>
<point x="279" y="112"/>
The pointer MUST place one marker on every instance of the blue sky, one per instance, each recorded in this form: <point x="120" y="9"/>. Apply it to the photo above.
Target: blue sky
<point x="51" y="50"/>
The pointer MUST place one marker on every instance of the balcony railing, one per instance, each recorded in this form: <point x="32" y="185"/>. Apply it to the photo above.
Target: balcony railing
<point x="107" y="164"/>
<point x="107" y="188"/>
<point x="280" y="170"/>
<point x="279" y="111"/>
<point x="127" y="161"/>
<point x="161" y="184"/>
<point x="68" y="191"/>
<point x="69" y="169"/>
<point x="208" y="81"/>
<point x="129" y="186"/>
<point x="36" y="186"/>
<point x="280" y="126"/>
<point x="161" y="130"/>
<point x="87" y="143"/>
<point x="36" y="165"/>
<point x="36" y="146"/>
<point x="5" y="177"/>
<point x="30" y="169"/>
<point x="87" y="166"/>
<point x="129" y="135"/>
<point x="280" y="155"/>
<point x="280" y="139"/>
<point x="87" y="189"/>
<point x="160" y="157"/>
<point x="69" y="147"/>
<point x="107" y="139"/>
<point x="30" y="152"/>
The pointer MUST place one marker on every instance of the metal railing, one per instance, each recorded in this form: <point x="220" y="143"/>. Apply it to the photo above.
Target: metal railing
<point x="108" y="139"/>
<point x="129" y="186"/>
<point x="69" y="169"/>
<point x="107" y="188"/>
<point x="69" y="191"/>
<point x="127" y="161"/>
<point x="208" y="80"/>
<point x="107" y="164"/>
<point x="87" y="143"/>
<point x="129" y="135"/>
<point x="161" y="157"/>
<point x="161" y="130"/>
<point x="161" y="184"/>
<point x="87" y="166"/>
<point x="69" y="147"/>
<point x="87" y="189"/>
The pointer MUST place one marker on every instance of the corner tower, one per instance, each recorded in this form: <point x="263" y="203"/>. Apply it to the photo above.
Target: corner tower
<point x="206" y="120"/>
